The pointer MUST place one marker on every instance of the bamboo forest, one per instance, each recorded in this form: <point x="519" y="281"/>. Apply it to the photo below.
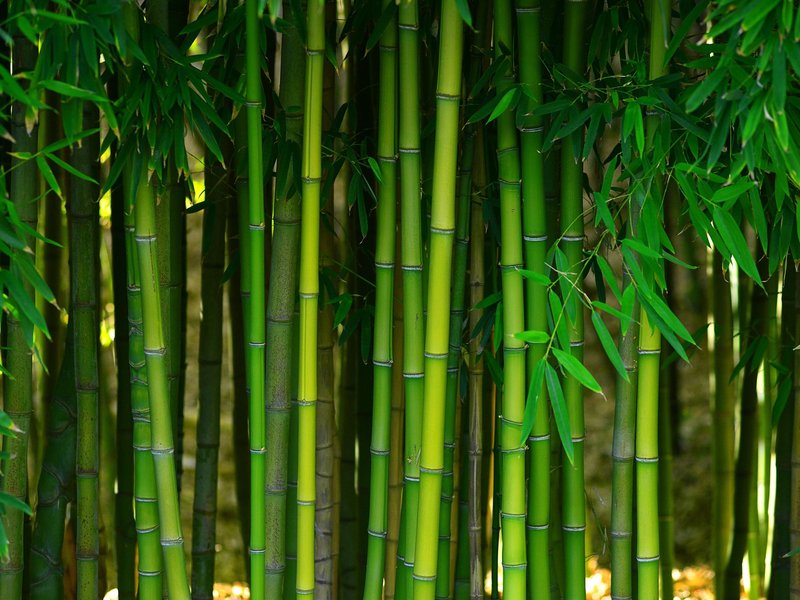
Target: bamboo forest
<point x="400" y="299"/>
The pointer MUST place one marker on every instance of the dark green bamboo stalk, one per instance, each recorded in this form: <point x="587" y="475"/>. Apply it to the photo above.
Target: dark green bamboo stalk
<point x="574" y="503"/>
<point x="411" y="259"/>
<point x="58" y="476"/>
<point x="204" y="513"/>
<point x="448" y="96"/>
<point x="84" y="265"/>
<point x="254" y="321"/>
<point x="779" y="573"/>
<point x="794" y="508"/>
<point x="384" y="300"/>
<point x="280" y="307"/>
<point x="623" y="454"/>
<point x="476" y="397"/>
<point x="17" y="389"/>
<point x="309" y="296"/>
<point x="748" y="445"/>
<point x="723" y="421"/>
<point x="461" y="586"/>
<point x="158" y="391"/>
<point x="326" y="427"/>
<point x="535" y="239"/>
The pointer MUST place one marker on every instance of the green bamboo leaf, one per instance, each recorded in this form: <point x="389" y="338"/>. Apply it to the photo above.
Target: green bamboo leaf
<point x="380" y="26"/>
<point x="498" y="326"/>
<point x="70" y="91"/>
<point x="376" y="168"/>
<point x="532" y="401"/>
<point x="680" y="33"/>
<point x="779" y="79"/>
<point x="758" y="12"/>
<point x="560" y="413"/>
<point x="533" y="336"/>
<point x="503" y="104"/>
<point x="575" y="368"/>
<point x="732" y="192"/>
<point x="47" y="173"/>
<point x="608" y="345"/>
<point x="488" y="301"/>
<point x="732" y="235"/>
<point x="68" y="167"/>
<point x="463" y="10"/>
<point x="559" y="323"/>
<point x="533" y="276"/>
<point x="640" y="248"/>
<point x="494" y="368"/>
<point x="28" y="269"/>
<point x="8" y="500"/>
<point x="705" y="89"/>
<point x="609" y="276"/>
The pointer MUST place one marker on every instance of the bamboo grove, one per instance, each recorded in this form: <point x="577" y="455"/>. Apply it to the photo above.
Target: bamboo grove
<point x="422" y="299"/>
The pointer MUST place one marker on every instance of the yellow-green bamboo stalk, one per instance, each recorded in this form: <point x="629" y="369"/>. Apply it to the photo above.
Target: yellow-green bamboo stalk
<point x="309" y="297"/>
<point x="384" y="301"/>
<point x="448" y="96"/>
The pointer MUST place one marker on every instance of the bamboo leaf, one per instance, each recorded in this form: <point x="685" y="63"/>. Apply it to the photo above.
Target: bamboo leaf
<point x="575" y="368"/>
<point x="735" y="241"/>
<point x="533" y="336"/>
<point x="556" y="395"/>
<point x="609" y="346"/>
<point x="503" y="104"/>
<point x="463" y="10"/>
<point x="47" y="173"/>
<point x="532" y="401"/>
<point x="380" y="26"/>
<point x="8" y="500"/>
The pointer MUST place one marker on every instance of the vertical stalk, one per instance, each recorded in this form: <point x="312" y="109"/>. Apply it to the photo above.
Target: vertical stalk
<point x="58" y="476"/>
<point x="534" y="214"/>
<point x="85" y="263"/>
<point x="448" y="96"/>
<point x="309" y="297"/>
<point x="748" y="444"/>
<point x="218" y="192"/>
<point x="384" y="299"/>
<point x="647" y="541"/>
<point x="723" y="421"/>
<point x="18" y="389"/>
<point x="411" y="259"/>
<point x="574" y="502"/>
<point x="280" y="308"/>
<point x="476" y="397"/>
<point x="255" y="311"/>
<point x="794" y="509"/>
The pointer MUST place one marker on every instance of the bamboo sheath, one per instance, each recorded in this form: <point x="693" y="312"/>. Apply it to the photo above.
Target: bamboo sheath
<point x="574" y="503"/>
<point x="535" y="244"/>
<point x="448" y="95"/>
<point x="511" y="260"/>
<point x="309" y="297"/>
<point x="84" y="259"/>
<point x="411" y="259"/>
<point x="279" y="330"/>
<point x="18" y="390"/>
<point x="384" y="299"/>
<point x="647" y="526"/>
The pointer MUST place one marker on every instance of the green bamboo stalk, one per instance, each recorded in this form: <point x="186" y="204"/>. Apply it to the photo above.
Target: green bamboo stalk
<point x="17" y="389"/>
<point x="476" y="397"/>
<point x="647" y="541"/>
<point x="84" y="263"/>
<point x="158" y="392"/>
<point x="574" y="503"/>
<point x="448" y="96"/>
<point x="393" y="531"/>
<point x="623" y="454"/>
<point x="461" y="586"/>
<point x="326" y="427"/>
<point x="384" y="300"/>
<point x="280" y="307"/>
<point x="444" y="575"/>
<point x="58" y="476"/>
<point x="309" y="297"/>
<point x="204" y="513"/>
<point x="723" y="422"/>
<point x="535" y="239"/>
<point x="255" y="309"/>
<point x="497" y="493"/>
<point x="291" y="494"/>
<point x="748" y="446"/>
<point x="411" y="259"/>
<point x="779" y="572"/>
<point x="794" y="508"/>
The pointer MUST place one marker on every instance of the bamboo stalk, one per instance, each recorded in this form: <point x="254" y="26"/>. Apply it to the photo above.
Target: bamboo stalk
<point x="218" y="194"/>
<point x="58" y="476"/>
<point x="574" y="502"/>
<point x="17" y="389"/>
<point x="411" y="259"/>
<point x="384" y="300"/>
<point x="794" y="509"/>
<point x="84" y="263"/>
<point x="280" y="308"/>
<point x="448" y="95"/>
<point x="309" y="296"/>
<point x="254" y="321"/>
